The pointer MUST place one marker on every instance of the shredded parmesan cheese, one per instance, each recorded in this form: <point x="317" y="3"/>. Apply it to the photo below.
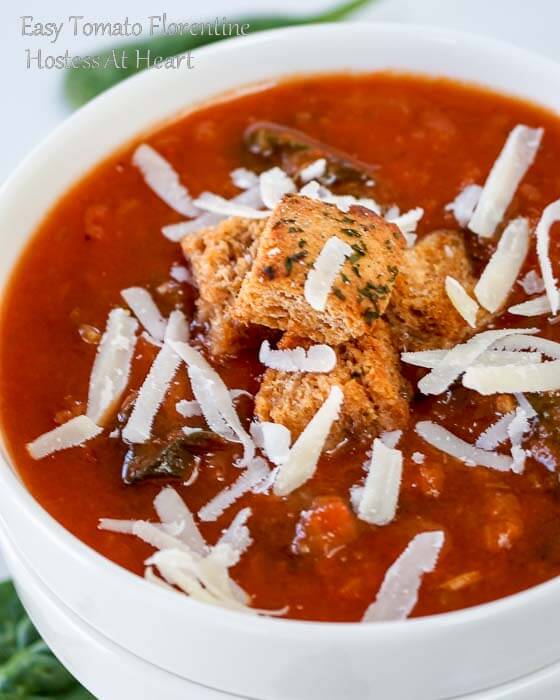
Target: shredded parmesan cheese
<point x="244" y="179"/>
<point x="228" y="207"/>
<point x="177" y="328"/>
<point x="525" y="405"/>
<point x="176" y="232"/>
<point x="171" y="509"/>
<point x="122" y="527"/>
<point x="237" y="534"/>
<point x="185" y="560"/>
<point x="313" y="171"/>
<point x="464" y="204"/>
<point x="255" y="473"/>
<point x="514" y="379"/>
<point x="463" y="303"/>
<point x="326" y="267"/>
<point x="508" y="170"/>
<point x="151" y="395"/>
<point x="314" y="190"/>
<point x="408" y="221"/>
<point x="181" y="274"/>
<point x="390" y="438"/>
<point x="532" y="283"/>
<point x="459" y="358"/>
<point x="502" y="269"/>
<point x="517" y="430"/>
<point x="274" y="439"/>
<point x="111" y="369"/>
<point x="206" y="580"/>
<point x="534" y="307"/>
<point x="497" y="358"/>
<point x="495" y="434"/>
<point x="319" y="358"/>
<point x="144" y="308"/>
<point x="161" y="177"/>
<point x="188" y="409"/>
<point x="214" y="399"/>
<point x="74" y="433"/>
<point x="442" y="439"/>
<point x="304" y="454"/>
<point x="550" y="215"/>
<point x="379" y="497"/>
<point x="524" y="342"/>
<point x="274" y="184"/>
<point x="399" y="591"/>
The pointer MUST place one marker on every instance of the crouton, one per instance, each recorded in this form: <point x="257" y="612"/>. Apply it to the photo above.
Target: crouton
<point x="376" y="397"/>
<point x="272" y="294"/>
<point x="420" y="312"/>
<point x="220" y="257"/>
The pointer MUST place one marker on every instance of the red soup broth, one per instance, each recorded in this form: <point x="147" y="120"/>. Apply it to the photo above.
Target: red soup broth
<point x="427" y="138"/>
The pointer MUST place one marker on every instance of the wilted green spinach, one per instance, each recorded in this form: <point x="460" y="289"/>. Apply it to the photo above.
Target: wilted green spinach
<point x="28" y="669"/>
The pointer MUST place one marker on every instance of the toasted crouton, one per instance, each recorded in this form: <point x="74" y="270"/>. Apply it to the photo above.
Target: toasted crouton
<point x="272" y="294"/>
<point x="367" y="370"/>
<point x="420" y="312"/>
<point x="220" y="257"/>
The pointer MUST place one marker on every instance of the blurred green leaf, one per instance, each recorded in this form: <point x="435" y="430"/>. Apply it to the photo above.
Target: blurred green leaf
<point x="28" y="669"/>
<point x="82" y="83"/>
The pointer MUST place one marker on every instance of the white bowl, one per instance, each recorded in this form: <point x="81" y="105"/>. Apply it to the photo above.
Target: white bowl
<point x="427" y="659"/>
<point x="105" y="669"/>
<point x="111" y="673"/>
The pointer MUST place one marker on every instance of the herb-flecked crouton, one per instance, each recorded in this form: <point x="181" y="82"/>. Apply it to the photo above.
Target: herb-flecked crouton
<point x="376" y="397"/>
<point x="220" y="257"/>
<point x="420" y="313"/>
<point x="272" y="294"/>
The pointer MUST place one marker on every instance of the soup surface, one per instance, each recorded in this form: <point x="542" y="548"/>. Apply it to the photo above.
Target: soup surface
<point x="426" y="139"/>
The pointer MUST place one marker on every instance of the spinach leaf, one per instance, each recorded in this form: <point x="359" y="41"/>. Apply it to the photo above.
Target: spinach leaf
<point x="28" y="669"/>
<point x="294" y="149"/>
<point x="168" y="458"/>
<point x="84" y="82"/>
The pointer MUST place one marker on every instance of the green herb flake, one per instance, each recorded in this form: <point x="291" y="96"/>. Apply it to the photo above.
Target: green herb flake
<point x="295" y="229"/>
<point x="373" y="292"/>
<point x="338" y="293"/>
<point x="269" y="271"/>
<point x="291" y="259"/>
<point x="359" y="251"/>
<point x="371" y="315"/>
<point x="352" y="232"/>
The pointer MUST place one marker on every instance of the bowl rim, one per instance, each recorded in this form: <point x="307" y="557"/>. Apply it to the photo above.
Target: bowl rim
<point x="52" y="529"/>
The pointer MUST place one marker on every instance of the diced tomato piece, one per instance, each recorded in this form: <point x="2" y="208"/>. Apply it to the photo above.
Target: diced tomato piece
<point x="328" y="525"/>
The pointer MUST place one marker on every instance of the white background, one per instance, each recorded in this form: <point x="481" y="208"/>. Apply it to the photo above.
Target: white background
<point x="32" y="103"/>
